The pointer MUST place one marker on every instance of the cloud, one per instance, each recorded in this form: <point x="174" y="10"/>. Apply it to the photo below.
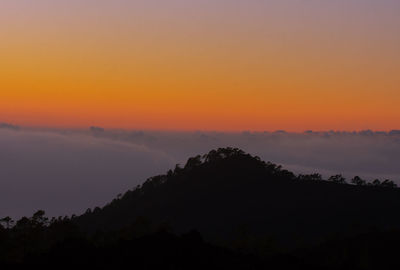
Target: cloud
<point x="8" y="126"/>
<point x="365" y="153"/>
<point x="65" y="172"/>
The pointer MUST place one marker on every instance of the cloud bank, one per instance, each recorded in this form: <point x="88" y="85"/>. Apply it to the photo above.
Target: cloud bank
<point x="68" y="171"/>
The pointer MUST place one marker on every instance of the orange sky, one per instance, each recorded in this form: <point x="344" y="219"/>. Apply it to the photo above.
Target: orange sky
<point x="201" y="65"/>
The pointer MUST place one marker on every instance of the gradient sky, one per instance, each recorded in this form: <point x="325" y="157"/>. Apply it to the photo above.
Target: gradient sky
<point x="210" y="65"/>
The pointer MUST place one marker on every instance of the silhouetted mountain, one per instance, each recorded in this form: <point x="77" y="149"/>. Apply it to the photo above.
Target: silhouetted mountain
<point x="224" y="210"/>
<point x="235" y="199"/>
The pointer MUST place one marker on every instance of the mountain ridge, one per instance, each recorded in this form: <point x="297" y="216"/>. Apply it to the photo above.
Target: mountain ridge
<point x="226" y="190"/>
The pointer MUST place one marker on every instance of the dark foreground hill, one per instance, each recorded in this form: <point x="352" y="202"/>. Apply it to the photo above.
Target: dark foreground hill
<point x="228" y="195"/>
<point x="224" y="210"/>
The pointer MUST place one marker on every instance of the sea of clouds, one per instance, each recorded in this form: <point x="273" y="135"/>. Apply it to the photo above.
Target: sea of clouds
<point x="65" y="172"/>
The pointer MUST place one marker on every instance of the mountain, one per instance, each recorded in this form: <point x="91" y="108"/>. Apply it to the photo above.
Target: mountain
<point x="235" y="199"/>
<point x="224" y="210"/>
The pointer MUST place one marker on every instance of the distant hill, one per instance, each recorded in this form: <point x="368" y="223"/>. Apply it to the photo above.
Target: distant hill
<point x="232" y="197"/>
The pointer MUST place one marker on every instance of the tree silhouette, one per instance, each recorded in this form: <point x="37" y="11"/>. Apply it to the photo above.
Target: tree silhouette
<point x="39" y="219"/>
<point x="193" y="162"/>
<point x="310" y="177"/>
<point x="358" y="181"/>
<point x="338" y="178"/>
<point x="388" y="183"/>
<point x="376" y="182"/>
<point x="8" y="221"/>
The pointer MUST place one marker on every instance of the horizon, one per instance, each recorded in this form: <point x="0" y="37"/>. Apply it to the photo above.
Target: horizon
<point x="9" y="125"/>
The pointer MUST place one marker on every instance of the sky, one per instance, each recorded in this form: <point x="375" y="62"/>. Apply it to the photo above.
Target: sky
<point x="224" y="65"/>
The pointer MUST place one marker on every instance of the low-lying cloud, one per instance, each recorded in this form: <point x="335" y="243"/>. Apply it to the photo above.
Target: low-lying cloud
<point x="65" y="172"/>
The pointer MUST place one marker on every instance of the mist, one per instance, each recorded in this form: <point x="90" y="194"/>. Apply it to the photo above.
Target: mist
<point x="65" y="172"/>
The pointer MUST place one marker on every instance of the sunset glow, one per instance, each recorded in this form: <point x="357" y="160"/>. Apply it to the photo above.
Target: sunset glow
<point x="208" y="65"/>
